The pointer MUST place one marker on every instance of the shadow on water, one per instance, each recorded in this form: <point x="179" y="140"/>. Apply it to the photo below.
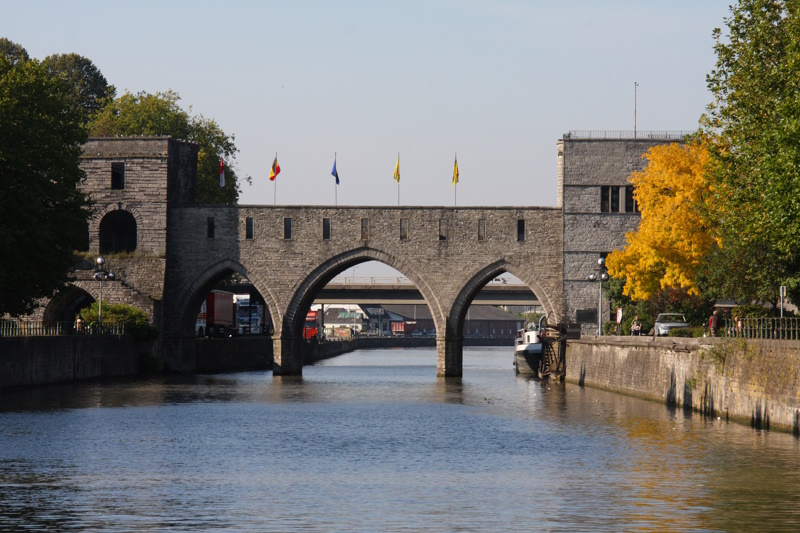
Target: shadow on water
<point x="120" y="392"/>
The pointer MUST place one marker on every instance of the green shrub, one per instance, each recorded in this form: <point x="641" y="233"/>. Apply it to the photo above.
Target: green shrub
<point x="692" y="332"/>
<point x="609" y="328"/>
<point x="135" y="321"/>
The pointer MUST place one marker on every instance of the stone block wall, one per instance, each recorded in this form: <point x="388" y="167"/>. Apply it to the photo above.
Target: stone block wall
<point x="445" y="264"/>
<point x="154" y="166"/>
<point x="585" y="165"/>
<point x="750" y="381"/>
<point x="42" y="360"/>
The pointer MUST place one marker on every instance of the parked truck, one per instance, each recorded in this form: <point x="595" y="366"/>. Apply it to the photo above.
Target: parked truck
<point x="250" y="315"/>
<point x="313" y="327"/>
<point x="217" y="317"/>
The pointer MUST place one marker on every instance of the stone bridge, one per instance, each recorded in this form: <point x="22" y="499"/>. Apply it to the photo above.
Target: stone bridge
<point x="169" y="252"/>
<point x="291" y="253"/>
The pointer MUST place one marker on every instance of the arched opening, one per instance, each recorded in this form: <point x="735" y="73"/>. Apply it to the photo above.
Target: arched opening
<point x="118" y="232"/>
<point x="231" y="306"/>
<point x="500" y="307"/>
<point x="499" y="285"/>
<point x="64" y="306"/>
<point x="358" y="275"/>
<point x="371" y="299"/>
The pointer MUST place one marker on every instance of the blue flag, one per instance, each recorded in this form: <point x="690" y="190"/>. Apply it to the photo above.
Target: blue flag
<point x="334" y="173"/>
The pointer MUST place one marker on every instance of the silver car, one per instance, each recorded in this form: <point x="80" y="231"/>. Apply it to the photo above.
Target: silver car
<point x="669" y="321"/>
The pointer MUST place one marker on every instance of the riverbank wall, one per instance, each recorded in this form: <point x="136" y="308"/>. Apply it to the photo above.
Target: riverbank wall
<point x="42" y="360"/>
<point x="749" y="381"/>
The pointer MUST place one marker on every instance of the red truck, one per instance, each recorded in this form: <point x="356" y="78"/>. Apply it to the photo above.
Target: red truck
<point x="312" y="328"/>
<point x="217" y="316"/>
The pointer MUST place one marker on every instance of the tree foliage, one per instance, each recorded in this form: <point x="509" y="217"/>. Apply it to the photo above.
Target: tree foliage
<point x="41" y="140"/>
<point x="755" y="117"/>
<point x="160" y="114"/>
<point x="668" y="248"/>
<point x="90" y="87"/>
<point x="12" y="51"/>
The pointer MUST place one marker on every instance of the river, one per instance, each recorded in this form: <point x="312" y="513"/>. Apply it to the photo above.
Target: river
<point x="373" y="441"/>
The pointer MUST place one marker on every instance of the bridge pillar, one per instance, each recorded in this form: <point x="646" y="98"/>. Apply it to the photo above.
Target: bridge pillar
<point x="449" y="357"/>
<point x="287" y="356"/>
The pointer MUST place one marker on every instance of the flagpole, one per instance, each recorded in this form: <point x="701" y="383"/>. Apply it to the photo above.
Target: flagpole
<point x="275" y="183"/>
<point x="335" y="183"/>
<point x="398" y="180"/>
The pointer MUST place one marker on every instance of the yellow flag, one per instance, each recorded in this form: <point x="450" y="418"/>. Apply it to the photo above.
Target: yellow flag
<point x="455" y="171"/>
<point x="397" y="170"/>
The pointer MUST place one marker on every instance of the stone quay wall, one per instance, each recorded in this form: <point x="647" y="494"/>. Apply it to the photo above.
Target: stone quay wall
<point x="748" y="381"/>
<point x="44" y="360"/>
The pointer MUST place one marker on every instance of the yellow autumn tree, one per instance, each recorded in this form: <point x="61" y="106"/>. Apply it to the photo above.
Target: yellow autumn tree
<point x="673" y="236"/>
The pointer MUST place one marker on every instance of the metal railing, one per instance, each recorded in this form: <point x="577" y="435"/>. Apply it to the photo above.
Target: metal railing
<point x="627" y="134"/>
<point x="29" y="328"/>
<point x="762" y="328"/>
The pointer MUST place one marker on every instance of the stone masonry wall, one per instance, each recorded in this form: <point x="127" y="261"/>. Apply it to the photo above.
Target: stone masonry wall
<point x="159" y="171"/>
<point x="750" y="381"/>
<point x="585" y="165"/>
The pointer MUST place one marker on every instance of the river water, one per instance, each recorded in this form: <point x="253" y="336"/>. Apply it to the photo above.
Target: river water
<point x="373" y="441"/>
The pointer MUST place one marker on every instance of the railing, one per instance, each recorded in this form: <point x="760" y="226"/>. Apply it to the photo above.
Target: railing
<point x="28" y="328"/>
<point x="627" y="134"/>
<point x="762" y="328"/>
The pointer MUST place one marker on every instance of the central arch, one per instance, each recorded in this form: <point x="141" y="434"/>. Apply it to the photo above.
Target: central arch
<point x="288" y="347"/>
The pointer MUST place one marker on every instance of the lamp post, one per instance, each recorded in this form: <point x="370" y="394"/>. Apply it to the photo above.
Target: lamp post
<point x="601" y="276"/>
<point x="100" y="274"/>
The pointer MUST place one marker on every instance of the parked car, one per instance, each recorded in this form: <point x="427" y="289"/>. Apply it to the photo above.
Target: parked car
<point x="665" y="322"/>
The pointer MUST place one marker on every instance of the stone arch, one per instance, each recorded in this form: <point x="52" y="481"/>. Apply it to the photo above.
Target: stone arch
<point x="291" y="325"/>
<point x="191" y="296"/>
<point x="64" y="305"/>
<point x="117" y="232"/>
<point x="480" y="278"/>
<point x="101" y="213"/>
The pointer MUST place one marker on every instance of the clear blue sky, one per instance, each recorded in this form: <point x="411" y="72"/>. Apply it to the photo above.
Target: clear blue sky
<point x="497" y="81"/>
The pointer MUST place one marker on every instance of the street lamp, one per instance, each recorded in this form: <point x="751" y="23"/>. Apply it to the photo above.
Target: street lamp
<point x="100" y="274"/>
<point x="601" y="276"/>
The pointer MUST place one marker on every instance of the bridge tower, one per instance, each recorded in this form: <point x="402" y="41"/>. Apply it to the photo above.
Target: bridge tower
<point x="133" y="182"/>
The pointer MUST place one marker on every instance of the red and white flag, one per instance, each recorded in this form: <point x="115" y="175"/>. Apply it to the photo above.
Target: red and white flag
<point x="221" y="174"/>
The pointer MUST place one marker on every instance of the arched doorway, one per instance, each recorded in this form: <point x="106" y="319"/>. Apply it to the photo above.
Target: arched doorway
<point x="118" y="232"/>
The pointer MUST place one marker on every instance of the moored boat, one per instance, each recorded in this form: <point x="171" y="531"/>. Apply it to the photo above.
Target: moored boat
<point x="528" y="350"/>
<point x="539" y="350"/>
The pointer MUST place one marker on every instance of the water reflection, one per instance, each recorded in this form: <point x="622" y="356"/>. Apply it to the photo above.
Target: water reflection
<point x="375" y="442"/>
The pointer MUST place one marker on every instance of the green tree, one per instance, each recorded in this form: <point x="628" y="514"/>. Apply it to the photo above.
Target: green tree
<point x="160" y="114"/>
<point x="12" y="51"/>
<point x="755" y="117"/>
<point x="89" y="85"/>
<point x="41" y="142"/>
